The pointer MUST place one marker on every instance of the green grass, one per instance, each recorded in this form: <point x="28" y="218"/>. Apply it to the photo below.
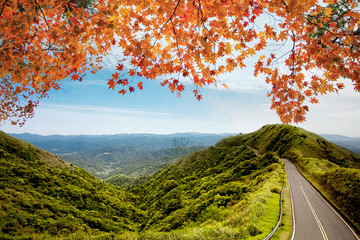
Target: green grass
<point x="341" y="186"/>
<point x="217" y="193"/>
<point x="285" y="229"/>
<point x="333" y="170"/>
<point x="253" y="217"/>
<point x="222" y="192"/>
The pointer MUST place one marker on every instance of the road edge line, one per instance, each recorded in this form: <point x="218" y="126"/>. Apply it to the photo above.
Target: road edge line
<point x="337" y="212"/>
<point x="292" y="210"/>
<point x="331" y="207"/>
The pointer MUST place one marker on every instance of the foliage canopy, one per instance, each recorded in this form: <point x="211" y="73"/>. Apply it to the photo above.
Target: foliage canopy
<point x="43" y="42"/>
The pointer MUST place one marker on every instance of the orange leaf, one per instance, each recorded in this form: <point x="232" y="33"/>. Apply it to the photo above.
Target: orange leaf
<point x="131" y="72"/>
<point x="75" y="77"/>
<point x="111" y="84"/>
<point x="140" y="86"/>
<point x="119" y="67"/>
<point x="180" y="87"/>
<point x="122" y="91"/>
<point x="314" y="100"/>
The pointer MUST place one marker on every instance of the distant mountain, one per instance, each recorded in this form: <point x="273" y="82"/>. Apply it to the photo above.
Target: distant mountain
<point x="62" y="144"/>
<point x="135" y="155"/>
<point x="351" y="143"/>
<point x="131" y="161"/>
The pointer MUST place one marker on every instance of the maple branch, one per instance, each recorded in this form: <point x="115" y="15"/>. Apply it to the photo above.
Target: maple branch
<point x="43" y="14"/>
<point x="7" y="83"/>
<point x="177" y="44"/>
<point x="336" y="38"/>
<point x="293" y="57"/>
<point x="171" y="16"/>
<point x="3" y="7"/>
<point x="357" y="32"/>
<point x="203" y="24"/>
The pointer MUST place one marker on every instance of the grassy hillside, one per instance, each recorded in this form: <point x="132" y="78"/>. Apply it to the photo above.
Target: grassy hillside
<point x="131" y="161"/>
<point x="42" y="194"/>
<point x="125" y="181"/>
<point x="216" y="193"/>
<point x="332" y="169"/>
<point x="222" y="192"/>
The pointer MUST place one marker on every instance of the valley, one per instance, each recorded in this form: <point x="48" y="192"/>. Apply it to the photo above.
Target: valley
<point x="112" y="156"/>
<point x="225" y="191"/>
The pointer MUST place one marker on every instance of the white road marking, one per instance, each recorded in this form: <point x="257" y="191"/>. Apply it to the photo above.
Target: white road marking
<point x="322" y="230"/>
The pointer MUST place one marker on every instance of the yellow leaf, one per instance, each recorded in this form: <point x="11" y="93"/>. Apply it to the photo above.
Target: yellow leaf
<point x="328" y="12"/>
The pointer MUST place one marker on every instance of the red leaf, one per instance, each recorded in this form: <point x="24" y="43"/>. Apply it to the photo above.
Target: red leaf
<point x="111" y="84"/>
<point x="75" y="77"/>
<point x="122" y="91"/>
<point x="163" y="83"/>
<point x="131" y="72"/>
<point x="180" y="88"/>
<point x="140" y="86"/>
<point x="119" y="67"/>
<point x="115" y="76"/>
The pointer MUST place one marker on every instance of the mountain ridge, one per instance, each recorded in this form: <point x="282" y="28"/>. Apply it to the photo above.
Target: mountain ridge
<point x="333" y="170"/>
<point x="223" y="190"/>
<point x="52" y="196"/>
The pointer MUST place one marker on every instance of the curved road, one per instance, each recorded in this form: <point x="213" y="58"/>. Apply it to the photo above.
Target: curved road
<point x="314" y="219"/>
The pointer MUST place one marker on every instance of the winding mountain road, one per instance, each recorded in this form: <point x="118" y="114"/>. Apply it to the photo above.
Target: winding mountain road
<point x="314" y="218"/>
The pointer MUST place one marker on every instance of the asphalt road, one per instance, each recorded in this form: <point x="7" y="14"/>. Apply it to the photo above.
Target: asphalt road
<point x="314" y="219"/>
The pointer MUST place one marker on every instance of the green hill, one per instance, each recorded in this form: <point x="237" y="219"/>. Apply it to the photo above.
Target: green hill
<point x="333" y="170"/>
<point x="131" y="161"/>
<point x="218" y="193"/>
<point x="214" y="193"/>
<point x="42" y="194"/>
<point x="221" y="192"/>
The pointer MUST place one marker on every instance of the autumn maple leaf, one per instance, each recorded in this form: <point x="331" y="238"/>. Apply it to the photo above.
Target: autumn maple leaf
<point x="140" y="86"/>
<point x="122" y="91"/>
<point x="111" y="84"/>
<point x="75" y="77"/>
<point x="119" y="67"/>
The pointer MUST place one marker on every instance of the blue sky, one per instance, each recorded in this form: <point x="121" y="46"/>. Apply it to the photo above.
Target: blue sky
<point x="89" y="107"/>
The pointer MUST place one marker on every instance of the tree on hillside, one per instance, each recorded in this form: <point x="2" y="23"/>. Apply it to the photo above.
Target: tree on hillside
<point x="181" y="142"/>
<point x="43" y="42"/>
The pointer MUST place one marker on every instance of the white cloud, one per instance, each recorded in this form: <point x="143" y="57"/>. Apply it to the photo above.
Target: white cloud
<point x="63" y="119"/>
<point x="100" y="110"/>
<point x="93" y="82"/>
<point x="336" y="113"/>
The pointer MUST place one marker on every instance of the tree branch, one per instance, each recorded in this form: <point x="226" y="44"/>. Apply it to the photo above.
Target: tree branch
<point x="3" y="7"/>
